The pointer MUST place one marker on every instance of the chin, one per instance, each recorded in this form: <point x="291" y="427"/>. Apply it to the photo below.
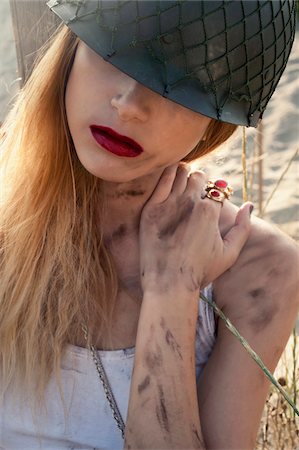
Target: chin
<point x="117" y="170"/>
<point x="109" y="174"/>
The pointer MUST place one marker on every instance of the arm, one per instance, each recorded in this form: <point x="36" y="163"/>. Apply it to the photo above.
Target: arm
<point x="163" y="409"/>
<point x="259" y="294"/>
<point x="177" y="225"/>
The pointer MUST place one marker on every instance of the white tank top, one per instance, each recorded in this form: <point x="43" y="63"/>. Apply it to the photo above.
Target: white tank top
<point x="89" y="424"/>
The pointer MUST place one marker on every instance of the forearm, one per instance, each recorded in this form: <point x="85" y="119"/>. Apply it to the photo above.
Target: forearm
<point x="163" y="408"/>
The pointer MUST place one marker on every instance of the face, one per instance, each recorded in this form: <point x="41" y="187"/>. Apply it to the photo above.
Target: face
<point x="99" y="93"/>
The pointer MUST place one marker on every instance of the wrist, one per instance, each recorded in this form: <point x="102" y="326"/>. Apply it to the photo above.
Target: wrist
<point x="170" y="285"/>
<point x="170" y="291"/>
<point x="177" y="303"/>
<point x="164" y="320"/>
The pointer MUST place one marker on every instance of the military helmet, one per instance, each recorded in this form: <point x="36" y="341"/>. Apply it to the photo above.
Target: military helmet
<point x="222" y="59"/>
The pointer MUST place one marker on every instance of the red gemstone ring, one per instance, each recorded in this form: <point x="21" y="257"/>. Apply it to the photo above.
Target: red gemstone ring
<point x="218" y="190"/>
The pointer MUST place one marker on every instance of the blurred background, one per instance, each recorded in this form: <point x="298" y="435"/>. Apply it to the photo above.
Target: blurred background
<point x="9" y="83"/>
<point x="262" y="165"/>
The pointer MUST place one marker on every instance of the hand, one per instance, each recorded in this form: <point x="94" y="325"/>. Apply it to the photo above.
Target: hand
<point x="179" y="236"/>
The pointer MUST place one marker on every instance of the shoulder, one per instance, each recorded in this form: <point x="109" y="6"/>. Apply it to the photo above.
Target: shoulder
<point x="268" y="261"/>
<point x="259" y="295"/>
<point x="265" y="240"/>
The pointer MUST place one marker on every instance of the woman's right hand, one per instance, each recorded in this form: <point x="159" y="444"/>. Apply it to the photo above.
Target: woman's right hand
<point x="179" y="237"/>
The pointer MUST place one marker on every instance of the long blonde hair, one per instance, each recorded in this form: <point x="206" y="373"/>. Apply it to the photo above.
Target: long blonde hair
<point x="55" y="272"/>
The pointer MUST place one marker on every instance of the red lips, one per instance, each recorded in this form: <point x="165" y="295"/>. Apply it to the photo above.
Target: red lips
<point x="113" y="141"/>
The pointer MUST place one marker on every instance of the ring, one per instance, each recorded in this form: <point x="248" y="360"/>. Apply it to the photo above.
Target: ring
<point x="218" y="191"/>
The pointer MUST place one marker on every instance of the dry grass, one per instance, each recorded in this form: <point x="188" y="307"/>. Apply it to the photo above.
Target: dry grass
<point x="279" y="428"/>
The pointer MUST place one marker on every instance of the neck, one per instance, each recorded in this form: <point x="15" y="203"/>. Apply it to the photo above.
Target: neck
<point x="124" y="205"/>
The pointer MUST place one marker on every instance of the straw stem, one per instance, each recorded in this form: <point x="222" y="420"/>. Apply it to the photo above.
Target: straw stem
<point x="251" y="352"/>
<point x="244" y="165"/>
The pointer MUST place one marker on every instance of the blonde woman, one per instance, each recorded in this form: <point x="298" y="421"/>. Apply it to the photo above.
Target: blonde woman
<point x="108" y="237"/>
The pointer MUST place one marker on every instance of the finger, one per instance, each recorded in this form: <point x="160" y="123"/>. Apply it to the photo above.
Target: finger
<point x="181" y="179"/>
<point x="198" y="184"/>
<point x="164" y="185"/>
<point x="197" y="181"/>
<point x="235" y="239"/>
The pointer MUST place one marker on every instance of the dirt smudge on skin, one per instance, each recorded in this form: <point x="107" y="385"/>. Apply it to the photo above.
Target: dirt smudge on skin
<point x="257" y="293"/>
<point x="135" y="192"/>
<point x="127" y="193"/>
<point x="145" y="383"/>
<point x="120" y="232"/>
<point x="262" y="309"/>
<point x="263" y="317"/>
<point x="171" y="227"/>
<point x="154" y="360"/>
<point x="142" y="405"/>
<point x="161" y="410"/>
<point x="170" y="339"/>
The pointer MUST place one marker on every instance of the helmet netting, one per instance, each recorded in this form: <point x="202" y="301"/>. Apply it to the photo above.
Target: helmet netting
<point x="228" y="55"/>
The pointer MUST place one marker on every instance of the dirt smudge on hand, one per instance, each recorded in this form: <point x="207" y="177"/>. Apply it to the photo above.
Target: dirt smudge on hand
<point x="171" y="227"/>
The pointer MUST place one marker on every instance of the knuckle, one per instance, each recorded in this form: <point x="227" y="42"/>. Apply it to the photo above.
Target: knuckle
<point x="185" y="166"/>
<point x="184" y="170"/>
<point x="198" y="174"/>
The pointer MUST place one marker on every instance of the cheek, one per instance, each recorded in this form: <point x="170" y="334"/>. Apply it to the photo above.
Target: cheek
<point x="188" y="129"/>
<point x="76" y="116"/>
<point x="197" y="126"/>
<point x="189" y="135"/>
<point x="70" y="99"/>
<point x="78" y="90"/>
<point x="77" y="102"/>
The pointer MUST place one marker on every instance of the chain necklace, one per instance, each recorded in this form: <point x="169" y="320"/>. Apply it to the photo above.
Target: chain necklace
<point x="106" y="385"/>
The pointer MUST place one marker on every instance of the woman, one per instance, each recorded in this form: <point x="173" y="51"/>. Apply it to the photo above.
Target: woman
<point x="107" y="238"/>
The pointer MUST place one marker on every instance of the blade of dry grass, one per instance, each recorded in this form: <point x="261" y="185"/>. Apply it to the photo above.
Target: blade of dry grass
<point x="294" y="373"/>
<point x="244" y="164"/>
<point x="260" y="145"/>
<point x="251" y="352"/>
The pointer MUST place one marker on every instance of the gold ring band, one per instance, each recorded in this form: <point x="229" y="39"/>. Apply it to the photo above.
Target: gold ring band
<point x="218" y="191"/>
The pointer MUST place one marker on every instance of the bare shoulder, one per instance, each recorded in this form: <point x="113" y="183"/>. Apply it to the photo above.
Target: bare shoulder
<point x="260" y="295"/>
<point x="268" y="264"/>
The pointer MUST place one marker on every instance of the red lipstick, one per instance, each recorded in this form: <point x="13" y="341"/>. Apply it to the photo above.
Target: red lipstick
<point x="115" y="143"/>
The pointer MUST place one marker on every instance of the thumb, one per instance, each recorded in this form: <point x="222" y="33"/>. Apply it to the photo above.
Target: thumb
<point x="236" y="237"/>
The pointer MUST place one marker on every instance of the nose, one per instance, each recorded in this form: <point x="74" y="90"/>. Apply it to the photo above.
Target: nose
<point x="131" y="101"/>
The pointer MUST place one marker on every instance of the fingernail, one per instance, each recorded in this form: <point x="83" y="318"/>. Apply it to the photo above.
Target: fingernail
<point x="251" y="207"/>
